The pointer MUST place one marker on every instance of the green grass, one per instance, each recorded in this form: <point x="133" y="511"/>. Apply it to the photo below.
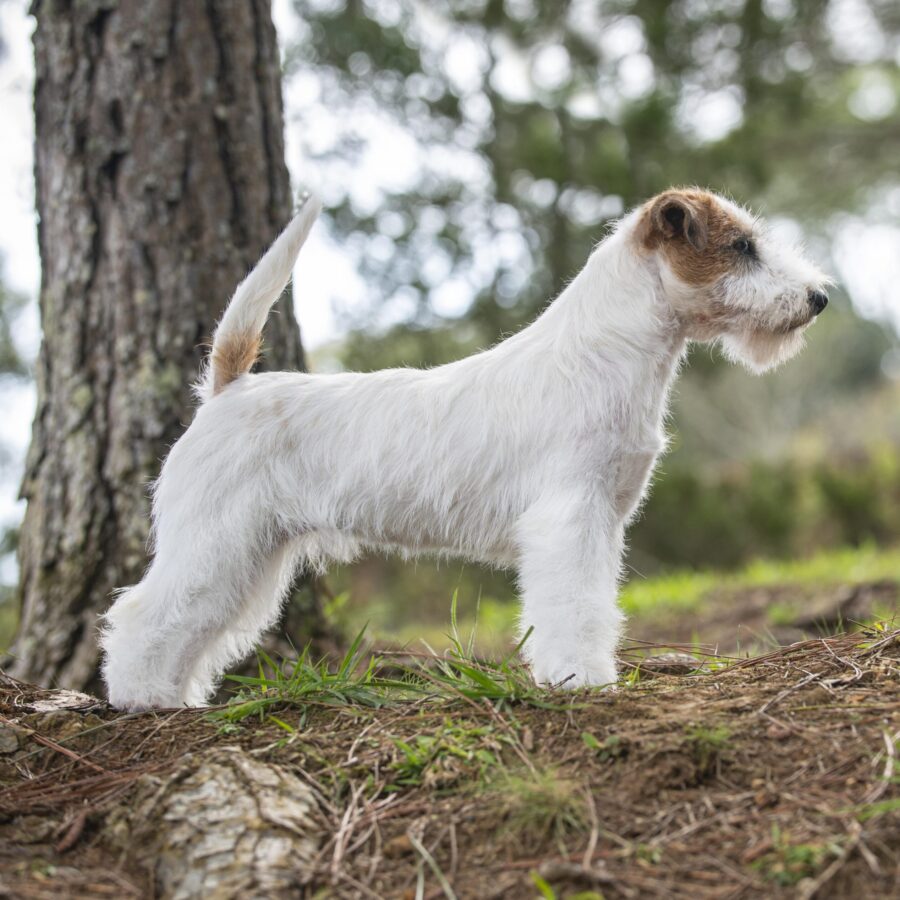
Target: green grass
<point x="789" y="863"/>
<point x="455" y="675"/>
<point x="540" y="804"/>
<point x="353" y="682"/>
<point x="546" y="891"/>
<point x="612" y="747"/>
<point x="708" y="745"/>
<point x="458" y="673"/>
<point x="445" y="754"/>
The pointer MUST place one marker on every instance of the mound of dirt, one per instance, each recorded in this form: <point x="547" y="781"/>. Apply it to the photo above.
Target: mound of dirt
<point x="769" y="777"/>
<point x="732" y="619"/>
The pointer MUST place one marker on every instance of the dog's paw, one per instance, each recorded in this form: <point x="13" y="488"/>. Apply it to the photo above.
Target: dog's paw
<point x="134" y="695"/>
<point x="141" y="702"/>
<point x="130" y="690"/>
<point x="570" y="676"/>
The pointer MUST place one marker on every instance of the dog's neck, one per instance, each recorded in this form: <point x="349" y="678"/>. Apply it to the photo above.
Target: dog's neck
<point x="613" y="324"/>
<point x="619" y="303"/>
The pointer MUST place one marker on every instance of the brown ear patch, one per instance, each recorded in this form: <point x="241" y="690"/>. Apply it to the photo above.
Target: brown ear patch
<point x="677" y="215"/>
<point x="694" y="232"/>
<point x="232" y="357"/>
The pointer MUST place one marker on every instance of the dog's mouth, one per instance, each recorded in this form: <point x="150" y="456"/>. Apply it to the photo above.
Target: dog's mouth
<point x="795" y="324"/>
<point x="780" y="329"/>
<point x="736" y="320"/>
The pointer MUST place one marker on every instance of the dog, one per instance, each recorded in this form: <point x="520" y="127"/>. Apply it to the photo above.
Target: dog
<point x="535" y="454"/>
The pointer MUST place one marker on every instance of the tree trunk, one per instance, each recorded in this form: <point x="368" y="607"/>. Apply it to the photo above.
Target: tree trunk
<point x="160" y="172"/>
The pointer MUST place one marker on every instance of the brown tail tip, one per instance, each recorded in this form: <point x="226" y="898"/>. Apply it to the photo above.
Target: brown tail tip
<point x="232" y="357"/>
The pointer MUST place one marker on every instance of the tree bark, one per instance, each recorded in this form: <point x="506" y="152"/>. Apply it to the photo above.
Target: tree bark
<point x="160" y="171"/>
<point x="223" y="824"/>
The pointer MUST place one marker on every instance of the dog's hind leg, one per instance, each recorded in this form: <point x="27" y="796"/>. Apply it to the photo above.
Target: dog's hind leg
<point x="237" y="637"/>
<point x="161" y="636"/>
<point x="150" y="639"/>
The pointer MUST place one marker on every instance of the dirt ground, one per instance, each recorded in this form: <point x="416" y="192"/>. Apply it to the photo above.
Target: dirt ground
<point x="769" y="777"/>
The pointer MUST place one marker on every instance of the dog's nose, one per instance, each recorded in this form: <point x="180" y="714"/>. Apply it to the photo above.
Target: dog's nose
<point x="818" y="300"/>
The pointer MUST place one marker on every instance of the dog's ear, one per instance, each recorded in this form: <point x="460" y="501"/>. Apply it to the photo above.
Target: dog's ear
<point x="676" y="215"/>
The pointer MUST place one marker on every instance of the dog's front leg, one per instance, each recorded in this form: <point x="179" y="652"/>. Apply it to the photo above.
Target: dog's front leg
<point x="569" y="556"/>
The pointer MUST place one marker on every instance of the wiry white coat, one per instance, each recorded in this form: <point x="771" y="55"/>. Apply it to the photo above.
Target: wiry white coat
<point x="533" y="454"/>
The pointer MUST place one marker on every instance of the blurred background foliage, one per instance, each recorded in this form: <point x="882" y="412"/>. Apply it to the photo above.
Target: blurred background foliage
<point x="523" y="128"/>
<point x="536" y="123"/>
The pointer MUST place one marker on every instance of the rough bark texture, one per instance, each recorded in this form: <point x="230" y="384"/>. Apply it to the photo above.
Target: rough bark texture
<point x="234" y="826"/>
<point x="160" y="179"/>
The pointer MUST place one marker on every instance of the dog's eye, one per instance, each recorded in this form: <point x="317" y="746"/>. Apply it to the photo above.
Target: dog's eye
<point x="745" y="247"/>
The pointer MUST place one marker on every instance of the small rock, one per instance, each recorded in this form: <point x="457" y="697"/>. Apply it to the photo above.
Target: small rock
<point x="33" y="829"/>
<point x="563" y="869"/>
<point x="765" y="799"/>
<point x="398" y="846"/>
<point x="528" y="738"/>
<point x="779" y="732"/>
<point x="63" y="700"/>
<point x="9" y="739"/>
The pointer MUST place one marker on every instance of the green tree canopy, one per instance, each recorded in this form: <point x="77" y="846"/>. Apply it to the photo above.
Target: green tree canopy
<point x="533" y="124"/>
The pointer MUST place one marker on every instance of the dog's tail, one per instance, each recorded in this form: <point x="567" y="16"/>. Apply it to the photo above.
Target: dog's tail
<point x="237" y="340"/>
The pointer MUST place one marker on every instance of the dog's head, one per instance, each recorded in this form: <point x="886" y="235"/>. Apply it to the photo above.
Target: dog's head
<point x="727" y="279"/>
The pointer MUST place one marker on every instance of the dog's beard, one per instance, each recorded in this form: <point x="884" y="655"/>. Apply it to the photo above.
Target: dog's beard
<point x="759" y="350"/>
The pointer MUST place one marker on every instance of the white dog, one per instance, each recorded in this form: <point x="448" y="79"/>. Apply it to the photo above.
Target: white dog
<point x="534" y="454"/>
